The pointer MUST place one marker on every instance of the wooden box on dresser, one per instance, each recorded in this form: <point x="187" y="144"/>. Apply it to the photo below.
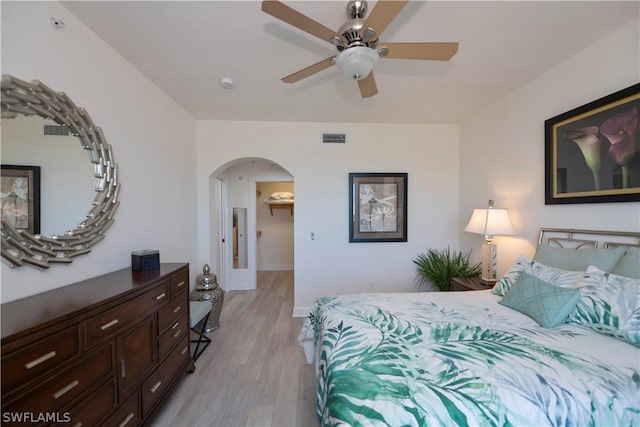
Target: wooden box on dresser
<point x="105" y="351"/>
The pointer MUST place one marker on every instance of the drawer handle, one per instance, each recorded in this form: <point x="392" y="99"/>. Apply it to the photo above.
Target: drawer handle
<point x="66" y="389"/>
<point x="184" y="350"/>
<point x="177" y="309"/>
<point x="180" y="284"/>
<point x="155" y="387"/>
<point x="177" y="334"/>
<point x="40" y="359"/>
<point x="162" y="295"/>
<point x="109" y="324"/>
<point x="123" y="366"/>
<point x="126" y="420"/>
<point x="175" y="325"/>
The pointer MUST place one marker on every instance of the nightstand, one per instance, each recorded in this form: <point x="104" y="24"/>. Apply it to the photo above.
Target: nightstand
<point x="470" y="284"/>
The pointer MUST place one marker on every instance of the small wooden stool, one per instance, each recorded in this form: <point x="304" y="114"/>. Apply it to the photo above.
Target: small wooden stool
<point x="199" y="310"/>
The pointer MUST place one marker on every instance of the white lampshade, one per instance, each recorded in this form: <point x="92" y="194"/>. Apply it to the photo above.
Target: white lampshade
<point x="490" y="222"/>
<point x="357" y="62"/>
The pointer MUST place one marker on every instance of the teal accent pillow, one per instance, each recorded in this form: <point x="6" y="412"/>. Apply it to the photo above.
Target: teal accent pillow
<point x="545" y="303"/>
<point x="579" y="259"/>
<point x="557" y="276"/>
<point x="629" y="264"/>
<point x="609" y="304"/>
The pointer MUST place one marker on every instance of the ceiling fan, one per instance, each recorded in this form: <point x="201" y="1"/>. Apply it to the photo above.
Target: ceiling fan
<point x="357" y="41"/>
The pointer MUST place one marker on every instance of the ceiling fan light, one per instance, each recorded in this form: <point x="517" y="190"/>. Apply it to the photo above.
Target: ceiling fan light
<point x="357" y="62"/>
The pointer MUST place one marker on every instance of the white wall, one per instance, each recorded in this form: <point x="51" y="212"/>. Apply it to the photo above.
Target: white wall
<point x="153" y="143"/>
<point x="330" y="264"/>
<point x="502" y="148"/>
<point x="67" y="179"/>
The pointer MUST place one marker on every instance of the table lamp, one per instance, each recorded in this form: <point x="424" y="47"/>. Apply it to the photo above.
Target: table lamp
<point x="490" y="222"/>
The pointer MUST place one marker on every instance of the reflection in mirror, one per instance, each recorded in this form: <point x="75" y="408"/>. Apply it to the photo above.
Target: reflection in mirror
<point x="239" y="233"/>
<point x="20" y="247"/>
<point x="66" y="178"/>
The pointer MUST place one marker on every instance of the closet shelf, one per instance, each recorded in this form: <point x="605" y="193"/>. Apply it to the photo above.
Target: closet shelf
<point x="281" y="206"/>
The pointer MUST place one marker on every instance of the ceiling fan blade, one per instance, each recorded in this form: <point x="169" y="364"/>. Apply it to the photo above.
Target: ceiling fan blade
<point x="310" y="70"/>
<point x="368" y="86"/>
<point x="381" y="16"/>
<point x="293" y="17"/>
<point x="428" y="51"/>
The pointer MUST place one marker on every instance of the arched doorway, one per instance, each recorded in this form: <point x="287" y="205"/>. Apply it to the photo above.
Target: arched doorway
<point x="235" y="206"/>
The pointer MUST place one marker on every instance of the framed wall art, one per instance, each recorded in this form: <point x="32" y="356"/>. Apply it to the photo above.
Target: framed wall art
<point x="20" y="197"/>
<point x="592" y="153"/>
<point x="377" y="207"/>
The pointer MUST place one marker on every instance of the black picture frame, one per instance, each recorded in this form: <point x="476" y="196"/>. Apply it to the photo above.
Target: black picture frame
<point x="377" y="207"/>
<point x="592" y="153"/>
<point x="20" y="197"/>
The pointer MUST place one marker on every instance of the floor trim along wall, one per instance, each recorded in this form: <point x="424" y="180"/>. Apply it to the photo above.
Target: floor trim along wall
<point x="301" y="311"/>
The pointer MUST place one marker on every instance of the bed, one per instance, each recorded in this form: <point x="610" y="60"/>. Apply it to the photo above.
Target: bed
<point x="465" y="358"/>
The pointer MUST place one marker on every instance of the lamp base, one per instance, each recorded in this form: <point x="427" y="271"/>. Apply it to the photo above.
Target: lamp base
<point x="488" y="263"/>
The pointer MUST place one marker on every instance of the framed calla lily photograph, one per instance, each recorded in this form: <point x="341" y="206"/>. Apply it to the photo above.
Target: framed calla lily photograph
<point x="378" y="207"/>
<point x="592" y="153"/>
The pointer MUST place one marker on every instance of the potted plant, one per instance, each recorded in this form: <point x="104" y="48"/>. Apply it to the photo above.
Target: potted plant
<point x="440" y="266"/>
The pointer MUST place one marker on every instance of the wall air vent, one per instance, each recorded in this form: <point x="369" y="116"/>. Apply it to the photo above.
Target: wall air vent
<point x="334" y="138"/>
<point x="56" y="130"/>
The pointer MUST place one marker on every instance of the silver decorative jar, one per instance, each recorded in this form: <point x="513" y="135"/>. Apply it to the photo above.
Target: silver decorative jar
<point x="207" y="289"/>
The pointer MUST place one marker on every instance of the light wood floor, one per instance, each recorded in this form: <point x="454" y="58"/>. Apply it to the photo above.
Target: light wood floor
<point x="254" y="372"/>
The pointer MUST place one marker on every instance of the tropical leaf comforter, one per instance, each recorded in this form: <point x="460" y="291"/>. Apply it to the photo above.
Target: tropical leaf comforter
<point x="459" y="358"/>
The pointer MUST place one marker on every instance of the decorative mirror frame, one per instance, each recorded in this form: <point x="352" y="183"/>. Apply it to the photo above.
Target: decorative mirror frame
<point x="19" y="247"/>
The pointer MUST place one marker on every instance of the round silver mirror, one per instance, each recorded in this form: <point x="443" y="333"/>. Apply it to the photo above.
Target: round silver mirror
<point x="20" y="246"/>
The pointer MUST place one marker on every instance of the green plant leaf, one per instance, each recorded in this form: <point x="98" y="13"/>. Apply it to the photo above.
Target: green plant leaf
<point x="440" y="266"/>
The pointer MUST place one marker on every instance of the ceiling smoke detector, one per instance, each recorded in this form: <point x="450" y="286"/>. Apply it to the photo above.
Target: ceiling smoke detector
<point x="226" y="83"/>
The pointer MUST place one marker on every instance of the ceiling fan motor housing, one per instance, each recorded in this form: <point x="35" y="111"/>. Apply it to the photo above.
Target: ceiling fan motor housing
<point x="350" y="33"/>
<point x="350" y="30"/>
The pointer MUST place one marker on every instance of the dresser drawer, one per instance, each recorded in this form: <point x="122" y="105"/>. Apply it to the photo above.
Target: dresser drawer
<point x="60" y="390"/>
<point x="94" y="408"/>
<point x="172" y="336"/>
<point x="179" y="283"/>
<point x="175" y="310"/>
<point x="105" y="325"/>
<point x="127" y="415"/>
<point x="155" y="386"/>
<point x="21" y="366"/>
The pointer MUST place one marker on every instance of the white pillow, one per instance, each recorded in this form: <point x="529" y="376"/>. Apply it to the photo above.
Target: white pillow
<point x="609" y="304"/>
<point x="281" y="195"/>
<point x="555" y="276"/>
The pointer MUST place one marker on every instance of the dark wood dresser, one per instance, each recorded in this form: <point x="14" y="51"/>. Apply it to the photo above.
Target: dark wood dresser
<point x="105" y="351"/>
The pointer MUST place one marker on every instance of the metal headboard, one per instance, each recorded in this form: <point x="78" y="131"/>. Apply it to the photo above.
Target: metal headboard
<point x="572" y="238"/>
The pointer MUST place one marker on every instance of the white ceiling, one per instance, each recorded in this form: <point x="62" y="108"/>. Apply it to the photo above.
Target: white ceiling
<point x="184" y="47"/>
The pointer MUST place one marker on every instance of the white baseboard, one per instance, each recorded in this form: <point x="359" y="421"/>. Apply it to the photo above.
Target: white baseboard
<point x="301" y="311"/>
<point x="285" y="267"/>
<point x="240" y="287"/>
